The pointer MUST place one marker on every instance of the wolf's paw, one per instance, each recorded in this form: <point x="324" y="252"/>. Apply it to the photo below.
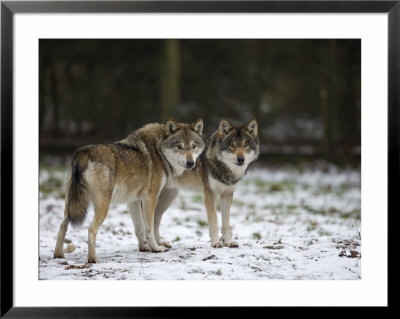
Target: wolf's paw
<point x="144" y="247"/>
<point x="93" y="260"/>
<point x="70" y="248"/>
<point x="159" y="249"/>
<point x="217" y="245"/>
<point x="229" y="243"/>
<point x="58" y="255"/>
<point x="165" y="244"/>
<point x="162" y="242"/>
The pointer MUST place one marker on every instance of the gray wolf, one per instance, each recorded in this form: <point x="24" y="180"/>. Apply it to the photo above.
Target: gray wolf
<point x="133" y="171"/>
<point x="219" y="169"/>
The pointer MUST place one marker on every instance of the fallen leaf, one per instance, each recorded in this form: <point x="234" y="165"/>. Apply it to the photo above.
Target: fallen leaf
<point x="78" y="266"/>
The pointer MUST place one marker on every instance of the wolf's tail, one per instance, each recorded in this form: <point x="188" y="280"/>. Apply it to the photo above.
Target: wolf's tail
<point x="78" y="197"/>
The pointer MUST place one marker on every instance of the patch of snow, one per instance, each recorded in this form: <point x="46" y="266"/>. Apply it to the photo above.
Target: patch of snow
<point x="288" y="224"/>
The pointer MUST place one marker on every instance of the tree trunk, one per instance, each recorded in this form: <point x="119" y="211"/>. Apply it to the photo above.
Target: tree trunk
<point x="258" y="87"/>
<point x="329" y="99"/>
<point x="42" y="81"/>
<point x="169" y="79"/>
<point x="54" y="98"/>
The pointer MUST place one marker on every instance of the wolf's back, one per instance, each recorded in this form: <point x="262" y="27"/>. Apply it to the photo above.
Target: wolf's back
<point x="77" y="193"/>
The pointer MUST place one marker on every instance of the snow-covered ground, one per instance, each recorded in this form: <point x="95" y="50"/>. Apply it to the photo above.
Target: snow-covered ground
<point x="289" y="223"/>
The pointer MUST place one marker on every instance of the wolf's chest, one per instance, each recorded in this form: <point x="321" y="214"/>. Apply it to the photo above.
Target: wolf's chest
<point x="218" y="187"/>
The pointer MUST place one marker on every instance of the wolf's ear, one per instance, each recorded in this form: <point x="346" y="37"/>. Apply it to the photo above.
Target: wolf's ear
<point x="252" y="127"/>
<point x="171" y="126"/>
<point x="197" y="126"/>
<point x="224" y="126"/>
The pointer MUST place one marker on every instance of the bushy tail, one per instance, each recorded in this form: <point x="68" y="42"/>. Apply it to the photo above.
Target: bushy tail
<point x="78" y="199"/>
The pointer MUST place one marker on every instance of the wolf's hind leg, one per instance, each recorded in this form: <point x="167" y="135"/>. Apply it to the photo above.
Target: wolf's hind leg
<point x="59" y="250"/>
<point x="226" y="201"/>
<point x="165" y="199"/>
<point x="135" y="209"/>
<point x="101" y="210"/>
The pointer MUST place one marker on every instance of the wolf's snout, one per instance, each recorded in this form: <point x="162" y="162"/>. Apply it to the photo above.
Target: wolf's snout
<point x="240" y="160"/>
<point x="189" y="164"/>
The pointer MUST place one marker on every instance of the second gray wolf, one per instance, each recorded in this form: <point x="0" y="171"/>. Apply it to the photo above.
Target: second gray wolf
<point x="219" y="169"/>
<point x="132" y="171"/>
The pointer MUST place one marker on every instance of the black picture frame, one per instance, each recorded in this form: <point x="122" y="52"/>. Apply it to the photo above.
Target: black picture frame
<point x="9" y="8"/>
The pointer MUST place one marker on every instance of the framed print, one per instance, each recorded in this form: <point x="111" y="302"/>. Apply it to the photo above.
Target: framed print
<point x="281" y="115"/>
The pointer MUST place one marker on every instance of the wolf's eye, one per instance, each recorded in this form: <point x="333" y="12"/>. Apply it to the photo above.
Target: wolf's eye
<point x="194" y="146"/>
<point x="246" y="144"/>
<point x="232" y="145"/>
<point x="178" y="146"/>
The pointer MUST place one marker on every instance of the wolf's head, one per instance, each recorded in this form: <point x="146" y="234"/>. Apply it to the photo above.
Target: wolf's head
<point x="238" y="145"/>
<point x="182" y="143"/>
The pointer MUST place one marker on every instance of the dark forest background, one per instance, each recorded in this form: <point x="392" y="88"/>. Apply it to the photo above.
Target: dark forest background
<point x="304" y="93"/>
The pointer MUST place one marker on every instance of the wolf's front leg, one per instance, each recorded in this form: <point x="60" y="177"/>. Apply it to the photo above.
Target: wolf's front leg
<point x="209" y="201"/>
<point x="226" y="202"/>
<point x="149" y="205"/>
<point x="135" y="209"/>
<point x="165" y="199"/>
